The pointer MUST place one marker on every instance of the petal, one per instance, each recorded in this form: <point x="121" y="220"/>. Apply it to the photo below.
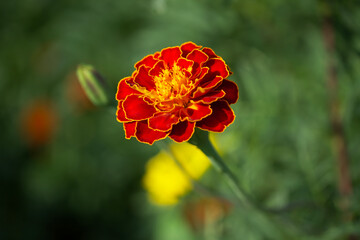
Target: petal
<point x="144" y="79"/>
<point x="129" y="128"/>
<point x="211" y="97"/>
<point x="147" y="135"/>
<point x="207" y="86"/>
<point x="185" y="64"/>
<point x="157" y="69"/>
<point x="231" y="91"/>
<point x="202" y="72"/>
<point x="120" y="113"/>
<point x="187" y="47"/>
<point x="212" y="82"/>
<point x="163" y="121"/>
<point x="217" y="67"/>
<point x="199" y="58"/>
<point x="209" y="52"/>
<point x="182" y="131"/>
<point x="148" y="61"/>
<point x="166" y="106"/>
<point x="124" y="89"/>
<point x="136" y="108"/>
<point x="170" y="55"/>
<point x="221" y="117"/>
<point x="195" y="111"/>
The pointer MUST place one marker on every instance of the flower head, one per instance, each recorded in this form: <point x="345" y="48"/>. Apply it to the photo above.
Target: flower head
<point x="173" y="91"/>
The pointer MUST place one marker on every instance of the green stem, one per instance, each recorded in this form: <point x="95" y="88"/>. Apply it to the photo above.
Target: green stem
<point x="201" y="140"/>
<point x="265" y="222"/>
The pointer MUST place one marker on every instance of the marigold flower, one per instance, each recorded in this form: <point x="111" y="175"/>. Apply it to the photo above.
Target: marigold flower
<point x="173" y="91"/>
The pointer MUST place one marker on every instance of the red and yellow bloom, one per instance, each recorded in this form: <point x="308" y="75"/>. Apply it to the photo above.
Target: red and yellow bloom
<point x="173" y="91"/>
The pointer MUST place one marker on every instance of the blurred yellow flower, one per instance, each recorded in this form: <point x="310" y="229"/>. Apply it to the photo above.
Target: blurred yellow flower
<point x="165" y="181"/>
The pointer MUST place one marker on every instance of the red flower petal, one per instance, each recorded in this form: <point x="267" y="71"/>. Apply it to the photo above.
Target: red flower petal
<point x="209" y="52"/>
<point x="187" y="47"/>
<point x="136" y="108"/>
<point x="120" y="114"/>
<point x="157" y="69"/>
<point x="157" y="55"/>
<point x="144" y="79"/>
<point x="163" y="121"/>
<point x="231" y="91"/>
<point x="212" y="83"/>
<point x="195" y="111"/>
<point x="221" y="117"/>
<point x="166" y="106"/>
<point x="211" y="97"/>
<point x="198" y="76"/>
<point x="148" y="61"/>
<point x="170" y="55"/>
<point x="129" y="128"/>
<point x="199" y="58"/>
<point x="184" y="63"/>
<point x="147" y="135"/>
<point x="182" y="131"/>
<point x="124" y="89"/>
<point x="217" y="67"/>
<point x="206" y="86"/>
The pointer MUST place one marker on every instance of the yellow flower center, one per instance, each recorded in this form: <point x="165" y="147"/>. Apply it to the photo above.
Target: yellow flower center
<point x="171" y="88"/>
<point x="172" y="85"/>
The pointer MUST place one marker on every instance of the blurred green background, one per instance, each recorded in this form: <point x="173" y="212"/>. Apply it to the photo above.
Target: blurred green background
<point x="67" y="172"/>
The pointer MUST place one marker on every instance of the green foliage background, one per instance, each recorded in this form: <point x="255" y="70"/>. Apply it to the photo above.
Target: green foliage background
<point x="85" y="183"/>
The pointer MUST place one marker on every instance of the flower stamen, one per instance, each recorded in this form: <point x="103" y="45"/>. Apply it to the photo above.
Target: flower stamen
<point x="172" y="84"/>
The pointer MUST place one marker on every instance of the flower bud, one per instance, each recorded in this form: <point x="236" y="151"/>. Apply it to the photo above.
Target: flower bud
<point x="93" y="84"/>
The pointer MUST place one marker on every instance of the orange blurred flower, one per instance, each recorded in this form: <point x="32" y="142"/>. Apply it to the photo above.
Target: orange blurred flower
<point x="39" y="122"/>
<point x="206" y="211"/>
